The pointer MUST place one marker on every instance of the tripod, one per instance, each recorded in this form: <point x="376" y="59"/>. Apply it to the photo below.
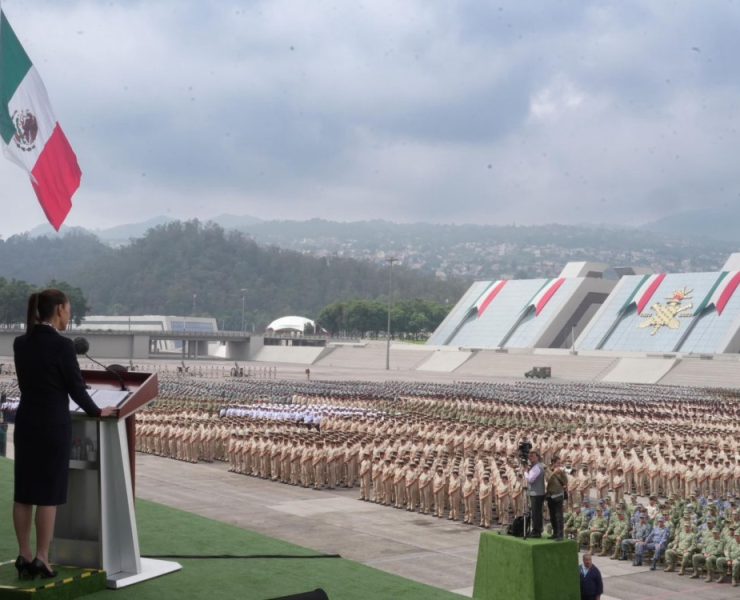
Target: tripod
<point x="527" y="512"/>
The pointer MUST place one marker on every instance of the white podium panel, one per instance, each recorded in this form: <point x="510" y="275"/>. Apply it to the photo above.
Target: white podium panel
<point x="97" y="527"/>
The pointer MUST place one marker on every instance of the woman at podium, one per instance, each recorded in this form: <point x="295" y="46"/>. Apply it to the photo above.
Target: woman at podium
<point x="48" y="374"/>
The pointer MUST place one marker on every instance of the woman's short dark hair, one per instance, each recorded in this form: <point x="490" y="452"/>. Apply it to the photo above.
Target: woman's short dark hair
<point x="41" y="306"/>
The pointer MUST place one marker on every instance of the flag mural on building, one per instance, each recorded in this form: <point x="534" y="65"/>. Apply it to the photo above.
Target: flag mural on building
<point x="32" y="137"/>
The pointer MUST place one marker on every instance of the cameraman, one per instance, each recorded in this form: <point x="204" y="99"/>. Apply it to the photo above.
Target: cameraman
<point x="557" y="487"/>
<point x="536" y="489"/>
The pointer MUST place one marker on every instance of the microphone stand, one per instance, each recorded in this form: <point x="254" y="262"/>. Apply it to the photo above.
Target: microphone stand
<point x="118" y="375"/>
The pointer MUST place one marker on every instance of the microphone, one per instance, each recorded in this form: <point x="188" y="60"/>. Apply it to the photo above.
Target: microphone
<point x="82" y="346"/>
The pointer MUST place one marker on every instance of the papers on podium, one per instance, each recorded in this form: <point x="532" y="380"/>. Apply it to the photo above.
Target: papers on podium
<point x="102" y="398"/>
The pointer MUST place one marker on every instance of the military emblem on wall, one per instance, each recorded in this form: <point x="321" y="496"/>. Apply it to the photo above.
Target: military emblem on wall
<point x="667" y="315"/>
<point x="26" y="130"/>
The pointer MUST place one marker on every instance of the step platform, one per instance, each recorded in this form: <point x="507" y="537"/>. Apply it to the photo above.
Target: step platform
<point x="511" y="568"/>
<point x="71" y="582"/>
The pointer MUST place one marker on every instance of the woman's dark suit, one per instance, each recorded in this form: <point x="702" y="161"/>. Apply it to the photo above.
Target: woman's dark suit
<point x="48" y="373"/>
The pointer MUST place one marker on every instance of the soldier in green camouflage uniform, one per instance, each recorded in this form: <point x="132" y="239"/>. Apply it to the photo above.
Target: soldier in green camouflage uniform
<point x="682" y="548"/>
<point x="596" y="529"/>
<point x="732" y="553"/>
<point x="573" y="523"/>
<point x="618" y="530"/>
<point x="711" y="549"/>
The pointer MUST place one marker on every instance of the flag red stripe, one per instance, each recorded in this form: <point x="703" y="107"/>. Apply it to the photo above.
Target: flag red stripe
<point x="643" y="302"/>
<point x="548" y="294"/>
<point x="56" y="177"/>
<point x="727" y="293"/>
<point x="490" y="297"/>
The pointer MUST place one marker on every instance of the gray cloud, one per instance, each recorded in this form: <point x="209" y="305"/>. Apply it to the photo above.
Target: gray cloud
<point x="446" y="111"/>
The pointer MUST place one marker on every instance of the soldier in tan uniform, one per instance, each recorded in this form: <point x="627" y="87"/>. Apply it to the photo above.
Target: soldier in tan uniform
<point x="388" y="491"/>
<point x="319" y="466"/>
<point x="454" y="493"/>
<point x="365" y="476"/>
<point x="412" y="487"/>
<point x="307" y="464"/>
<point x="377" y="478"/>
<point x="485" y="498"/>
<point x="439" y="491"/>
<point x="399" y="487"/>
<point x="468" y="497"/>
<point x="425" y="489"/>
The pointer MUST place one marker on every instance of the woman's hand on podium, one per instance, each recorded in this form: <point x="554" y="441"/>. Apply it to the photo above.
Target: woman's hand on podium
<point x="109" y="411"/>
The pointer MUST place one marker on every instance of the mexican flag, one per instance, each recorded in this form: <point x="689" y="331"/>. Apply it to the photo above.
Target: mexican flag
<point x="32" y="137"/>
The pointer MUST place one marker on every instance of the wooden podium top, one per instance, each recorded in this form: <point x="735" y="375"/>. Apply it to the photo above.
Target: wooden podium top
<point x="143" y="388"/>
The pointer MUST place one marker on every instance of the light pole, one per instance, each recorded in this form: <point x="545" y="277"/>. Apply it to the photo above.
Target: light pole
<point x="390" y="260"/>
<point x="195" y="296"/>
<point x="244" y="308"/>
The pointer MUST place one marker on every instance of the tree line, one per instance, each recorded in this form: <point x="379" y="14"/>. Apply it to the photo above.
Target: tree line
<point x="14" y="296"/>
<point x="410" y="319"/>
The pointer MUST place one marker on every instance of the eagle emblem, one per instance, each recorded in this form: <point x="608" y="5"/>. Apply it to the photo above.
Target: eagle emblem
<point x="26" y="130"/>
<point x="666" y="315"/>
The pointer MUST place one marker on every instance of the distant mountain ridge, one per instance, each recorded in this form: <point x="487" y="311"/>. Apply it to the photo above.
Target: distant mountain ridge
<point x="473" y="251"/>
<point x="123" y="234"/>
<point x="719" y="224"/>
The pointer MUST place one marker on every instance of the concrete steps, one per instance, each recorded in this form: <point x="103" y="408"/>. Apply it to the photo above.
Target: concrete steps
<point x="698" y="372"/>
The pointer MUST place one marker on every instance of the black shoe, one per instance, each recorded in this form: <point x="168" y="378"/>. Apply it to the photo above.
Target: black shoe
<point x="37" y="567"/>
<point x="22" y="566"/>
<point x="536" y="535"/>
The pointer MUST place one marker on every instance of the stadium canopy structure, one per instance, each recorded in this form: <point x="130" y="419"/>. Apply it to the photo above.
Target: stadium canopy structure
<point x="291" y="325"/>
<point x="527" y="313"/>
<point x="148" y="323"/>
<point x="684" y="313"/>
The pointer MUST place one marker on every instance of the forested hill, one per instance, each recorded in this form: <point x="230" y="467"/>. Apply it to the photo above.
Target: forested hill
<point x="160" y="272"/>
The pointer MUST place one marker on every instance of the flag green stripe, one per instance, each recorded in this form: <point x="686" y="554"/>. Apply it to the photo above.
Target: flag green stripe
<point x="626" y="305"/>
<point x="710" y="293"/>
<point x="14" y="64"/>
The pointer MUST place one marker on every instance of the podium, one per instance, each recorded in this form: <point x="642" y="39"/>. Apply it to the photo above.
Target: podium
<point x="97" y="527"/>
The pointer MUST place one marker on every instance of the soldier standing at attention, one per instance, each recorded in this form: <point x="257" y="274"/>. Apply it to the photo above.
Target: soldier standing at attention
<point x="365" y="476"/>
<point x="468" y="493"/>
<point x="412" y="487"/>
<point x="454" y="494"/>
<point x="485" y="497"/>
<point x="425" y="489"/>
<point x="438" y="488"/>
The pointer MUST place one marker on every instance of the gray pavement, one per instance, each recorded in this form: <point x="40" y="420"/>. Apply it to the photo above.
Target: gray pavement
<point x="419" y="547"/>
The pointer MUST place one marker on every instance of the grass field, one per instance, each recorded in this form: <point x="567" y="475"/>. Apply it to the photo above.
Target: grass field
<point x="166" y="531"/>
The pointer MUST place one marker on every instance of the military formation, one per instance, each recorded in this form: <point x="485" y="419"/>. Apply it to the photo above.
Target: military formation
<point x="451" y="451"/>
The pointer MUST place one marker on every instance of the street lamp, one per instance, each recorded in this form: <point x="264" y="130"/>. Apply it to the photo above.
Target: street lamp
<point x="244" y="308"/>
<point x="195" y="296"/>
<point x="390" y="260"/>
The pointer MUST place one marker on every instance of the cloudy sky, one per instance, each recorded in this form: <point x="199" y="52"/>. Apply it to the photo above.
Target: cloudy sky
<point x="410" y="110"/>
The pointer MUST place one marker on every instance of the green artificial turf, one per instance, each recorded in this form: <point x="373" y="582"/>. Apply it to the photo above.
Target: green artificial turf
<point x="164" y="530"/>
